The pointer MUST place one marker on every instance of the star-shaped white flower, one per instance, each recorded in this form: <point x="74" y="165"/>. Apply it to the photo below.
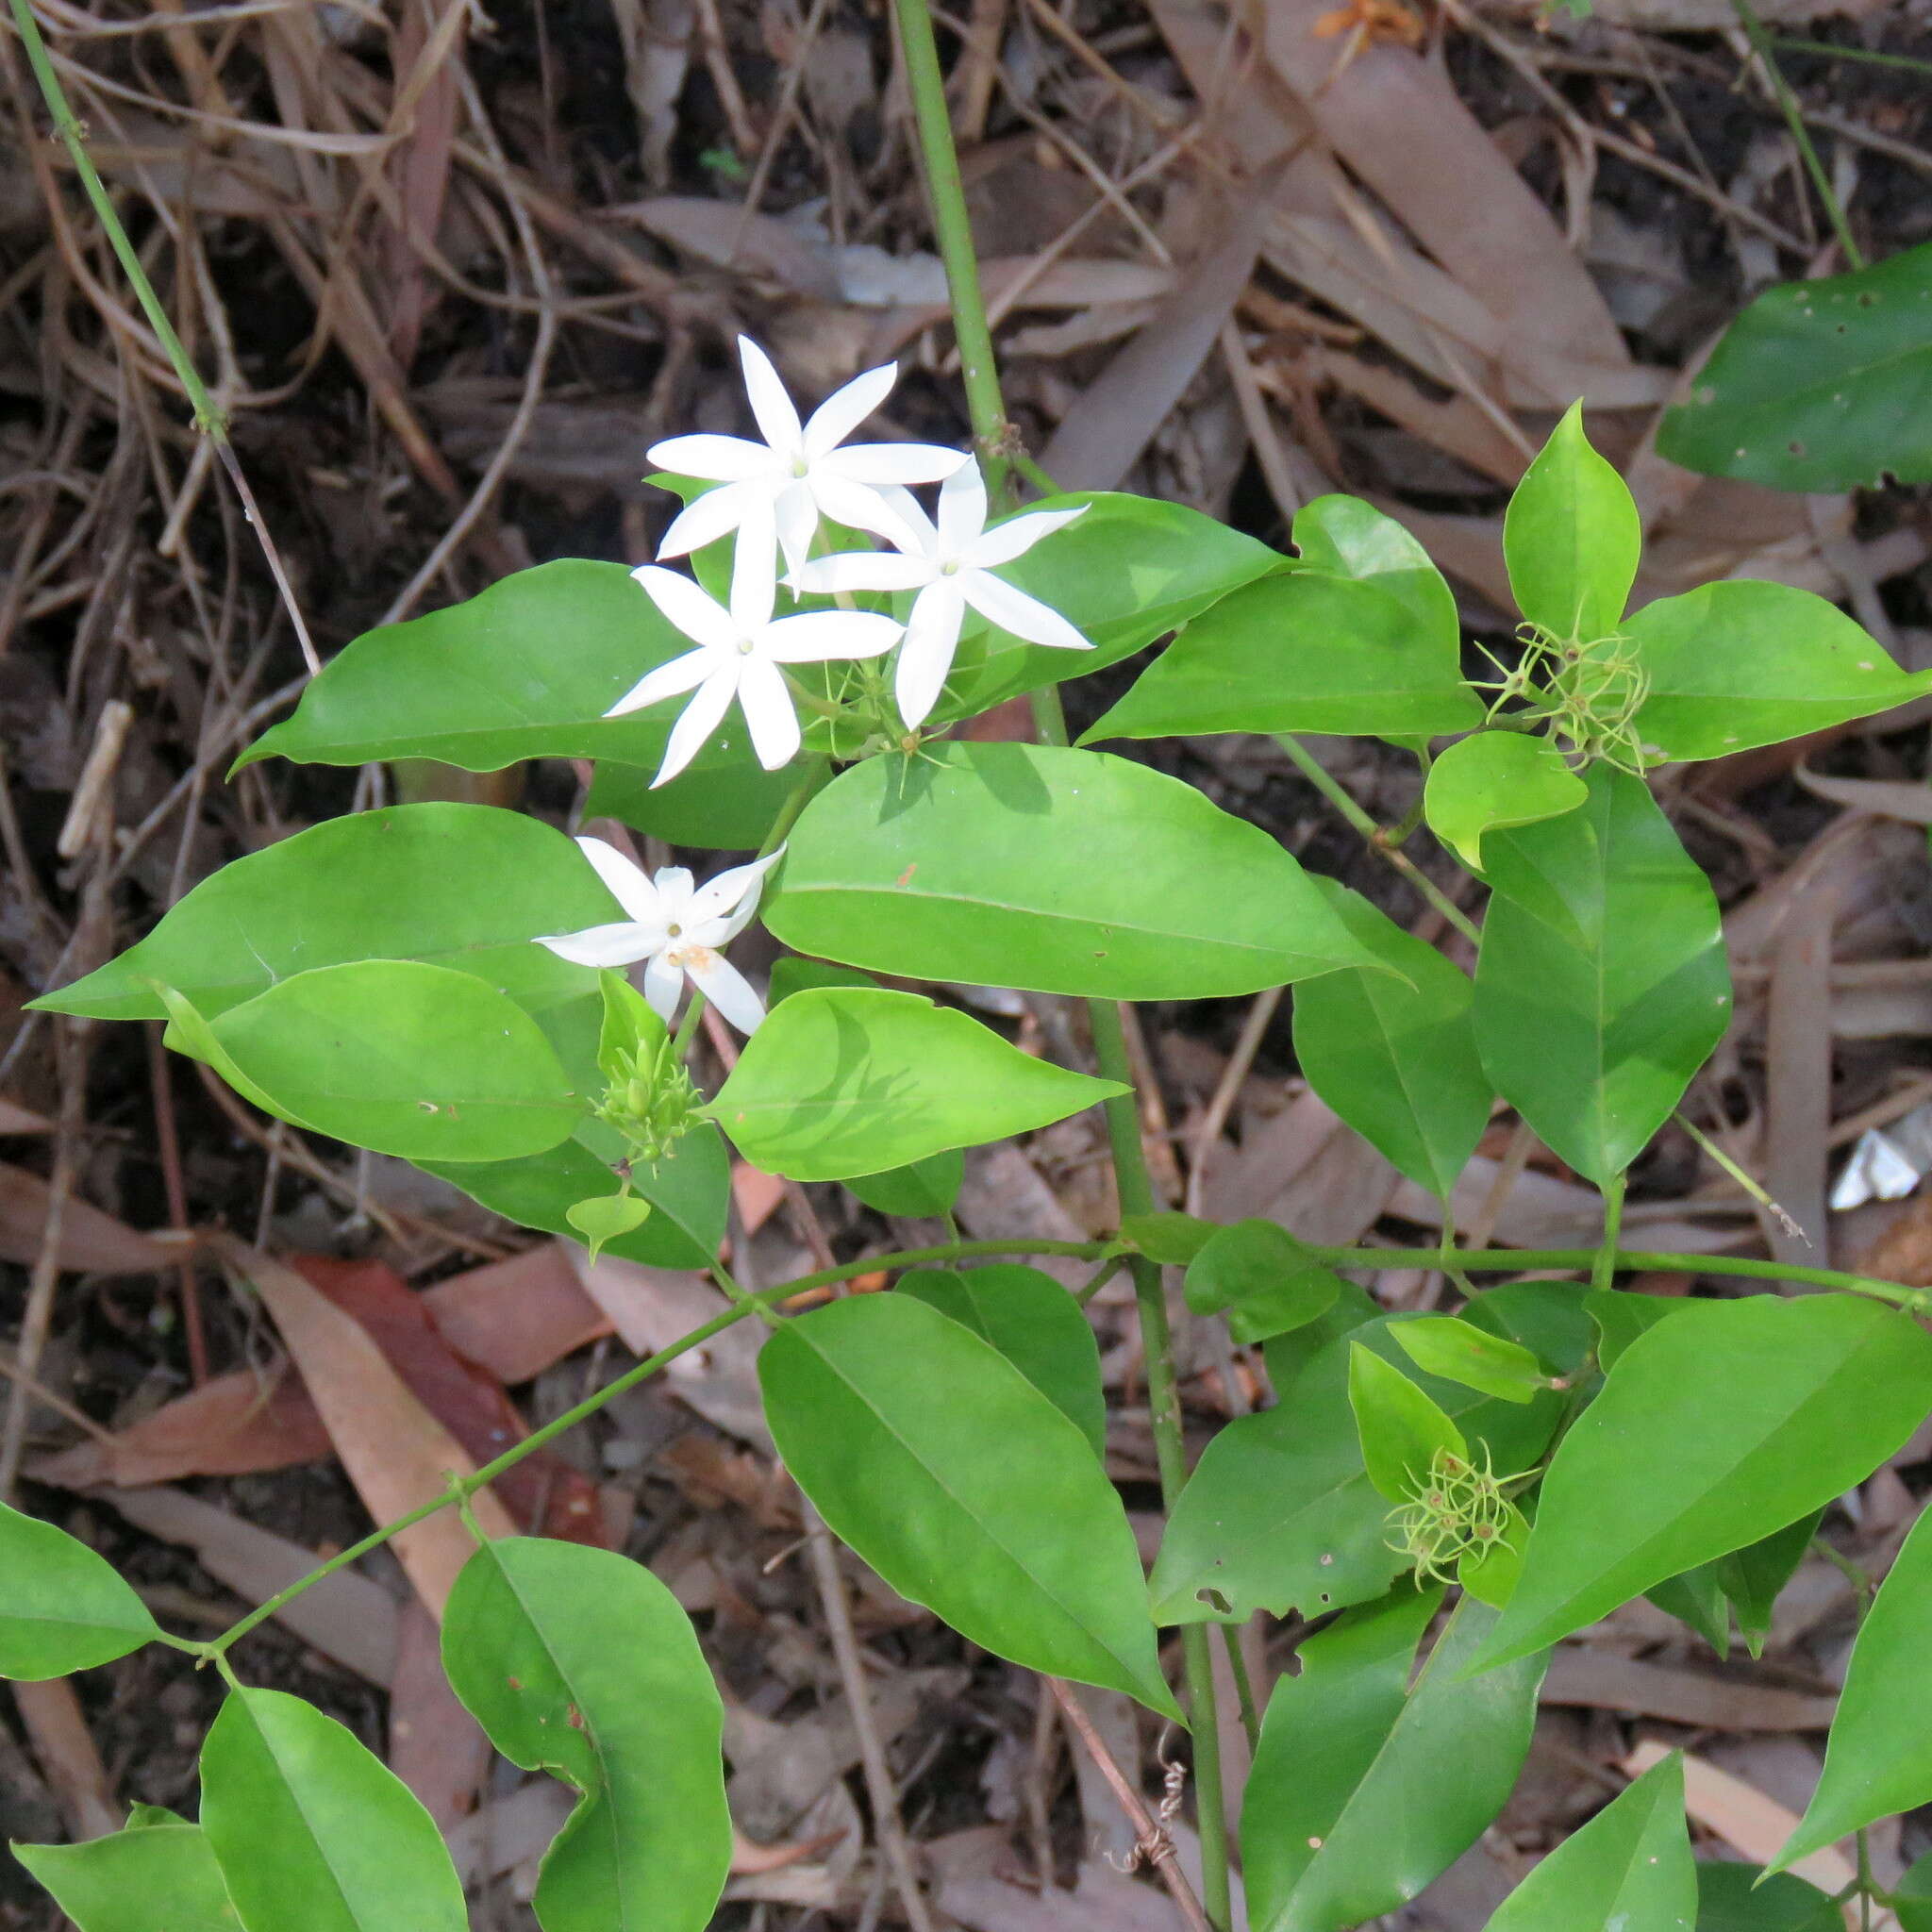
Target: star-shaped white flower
<point x="679" y="927"/>
<point x="776" y="491"/>
<point x="951" y="565"/>
<point x="741" y="647"/>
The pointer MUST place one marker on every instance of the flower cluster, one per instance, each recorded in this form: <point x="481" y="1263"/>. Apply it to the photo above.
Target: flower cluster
<point x="771" y="497"/>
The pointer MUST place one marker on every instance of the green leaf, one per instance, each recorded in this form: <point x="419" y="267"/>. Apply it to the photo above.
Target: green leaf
<point x="964" y="1487"/>
<point x="1717" y="1427"/>
<point x="1128" y="572"/>
<point x="315" y="1833"/>
<point x="1911" y="1898"/>
<point x="463" y="886"/>
<point x="1697" y="1598"/>
<point x="1878" y="1757"/>
<point x="1737" y="1898"/>
<point x="837" y="1083"/>
<point x="1601" y="986"/>
<point x="689" y="1192"/>
<point x="1490" y="1572"/>
<point x="714" y="808"/>
<point x="1286" y="1356"/>
<point x="1348" y="538"/>
<point x="604" y="1217"/>
<point x="1396" y="1058"/>
<point x="1269" y="1282"/>
<point x="1461" y="1351"/>
<point x="579" y="1662"/>
<point x="526" y="670"/>
<point x="1059" y="870"/>
<point x="629" y="1026"/>
<point x="1629" y="1868"/>
<point x="1737" y="664"/>
<point x="156" y="1877"/>
<point x="1571" y="538"/>
<point x="1172" y="1240"/>
<point x="1280" y="1514"/>
<point x="1818" y="386"/>
<point x="62" y="1607"/>
<point x="1753" y="1576"/>
<point x="1493" y="780"/>
<point x="392" y="1055"/>
<point x="1402" y="1430"/>
<point x="1547" y="1318"/>
<point x="1302" y="651"/>
<point x="1622" y="1315"/>
<point x="1034" y="1323"/>
<point x="1363" y="1790"/>
<point x="918" y="1191"/>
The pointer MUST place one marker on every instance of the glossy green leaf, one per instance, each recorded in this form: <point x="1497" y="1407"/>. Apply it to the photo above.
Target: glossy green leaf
<point x="579" y="1662"/>
<point x="1629" y="1870"/>
<point x="837" y="1083"/>
<point x="524" y="670"/>
<point x="1302" y="651"/>
<point x="1878" y="1757"/>
<point x="1911" y="1897"/>
<point x="463" y="886"/>
<point x="1697" y="1598"/>
<point x="1396" y="1058"/>
<point x="1128" y="572"/>
<point x="1402" y="1430"/>
<point x="689" y="1192"/>
<point x="1751" y="1577"/>
<point x="1548" y="1318"/>
<point x="1280" y="1514"/>
<point x="1622" y="1315"/>
<point x="1034" y="1323"/>
<point x="1172" y="1240"/>
<point x="160" y="1877"/>
<point x="714" y="808"/>
<point x="1737" y="1898"/>
<point x="1571" y="538"/>
<point x="1268" y="1282"/>
<point x="1461" y="1351"/>
<point x="1490" y="1574"/>
<point x="1601" y="986"/>
<point x="964" y="1487"/>
<point x="1742" y="663"/>
<point x="604" y="1217"/>
<point x="1286" y="1356"/>
<point x="1493" y="780"/>
<point x="392" y="1055"/>
<point x="1717" y="1427"/>
<point x="1362" y="1790"/>
<point x="63" y="1606"/>
<point x="1347" y="537"/>
<point x="1818" y="386"/>
<point x="1055" y="870"/>
<point x="313" y="1832"/>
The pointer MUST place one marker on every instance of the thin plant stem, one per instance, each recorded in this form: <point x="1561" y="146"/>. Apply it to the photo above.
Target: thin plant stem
<point x="953" y="230"/>
<point x="1603" y="1275"/>
<point x="1644" y="1261"/>
<point x="1712" y="1150"/>
<point x="1338" y="795"/>
<point x="1801" y="136"/>
<point x="1243" y="1684"/>
<point x="1905" y="62"/>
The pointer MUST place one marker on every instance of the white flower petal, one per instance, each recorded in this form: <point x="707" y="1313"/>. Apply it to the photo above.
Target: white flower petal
<point x="675" y="886"/>
<point x="765" y="699"/>
<point x="860" y="508"/>
<point x="925" y="657"/>
<point x="714" y="514"/>
<point x="1017" y="536"/>
<point x="715" y="459"/>
<point x="670" y="680"/>
<point x="663" y="986"/>
<point x="698" y="720"/>
<point x="725" y="988"/>
<point x="690" y="607"/>
<point x="1014" y="610"/>
<point x="844" y="410"/>
<point x="601" y="945"/>
<point x="911" y="514"/>
<point x="732" y="896"/>
<point x="865" y="570"/>
<point x="626" y="882"/>
<point x="754" y="583"/>
<point x="796" y="514"/>
<point x="817" y="637"/>
<point x="962" y="511"/>
<point x="777" y="419"/>
<point x="878" y="463"/>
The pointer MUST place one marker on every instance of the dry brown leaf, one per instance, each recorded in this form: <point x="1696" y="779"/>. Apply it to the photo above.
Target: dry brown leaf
<point x="1890" y="798"/>
<point x="982" y="1884"/>
<point x="394" y="1451"/>
<point x="50" y="1712"/>
<point x="518" y="1316"/>
<point x="435" y="1746"/>
<point x="1003" y="1195"/>
<point x="1603" y="1680"/>
<point x="17" y="1120"/>
<point x="1798" y="1054"/>
<point x="91" y="1242"/>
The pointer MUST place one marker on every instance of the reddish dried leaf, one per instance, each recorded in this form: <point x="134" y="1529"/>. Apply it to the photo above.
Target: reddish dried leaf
<point x="518" y="1316"/>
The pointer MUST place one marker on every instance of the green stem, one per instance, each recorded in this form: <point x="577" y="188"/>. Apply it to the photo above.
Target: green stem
<point x="1905" y="62"/>
<point x="466" y="1487"/>
<point x="1794" y="119"/>
<point x="1642" y="1261"/>
<point x="953" y="230"/>
<point x="1338" y="797"/>
<point x="1243" y="1685"/>
<point x="1603" y="1275"/>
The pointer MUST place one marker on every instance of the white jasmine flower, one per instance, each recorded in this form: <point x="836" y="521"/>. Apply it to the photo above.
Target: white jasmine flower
<point x="776" y="491"/>
<point x="950" y="563"/>
<point x="740" y="650"/>
<point x="679" y="927"/>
